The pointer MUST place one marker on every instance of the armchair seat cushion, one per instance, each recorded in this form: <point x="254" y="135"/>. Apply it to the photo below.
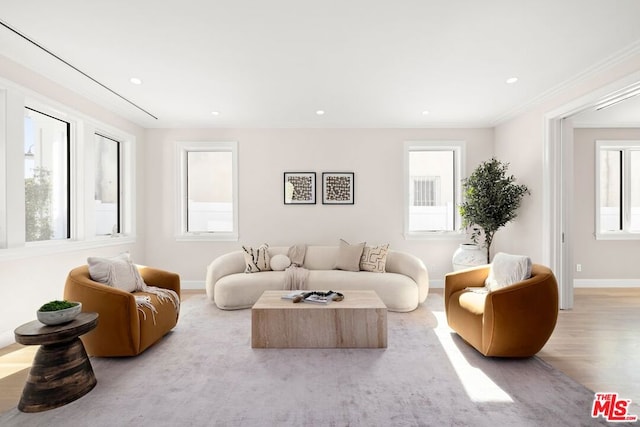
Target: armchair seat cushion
<point x="471" y="301"/>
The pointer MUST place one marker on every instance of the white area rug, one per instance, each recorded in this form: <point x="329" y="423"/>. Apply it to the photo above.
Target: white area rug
<point x="205" y="373"/>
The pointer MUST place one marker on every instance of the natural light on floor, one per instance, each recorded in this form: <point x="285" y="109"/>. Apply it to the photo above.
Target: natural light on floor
<point x="16" y="361"/>
<point x="478" y="386"/>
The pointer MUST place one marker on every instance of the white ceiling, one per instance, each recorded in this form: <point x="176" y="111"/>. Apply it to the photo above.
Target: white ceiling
<point x="367" y="63"/>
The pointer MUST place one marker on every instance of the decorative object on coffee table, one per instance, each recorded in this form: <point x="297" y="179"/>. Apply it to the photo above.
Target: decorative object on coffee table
<point x="58" y="312"/>
<point x="317" y="297"/>
<point x="299" y="188"/>
<point x="338" y="188"/>
<point x="61" y="370"/>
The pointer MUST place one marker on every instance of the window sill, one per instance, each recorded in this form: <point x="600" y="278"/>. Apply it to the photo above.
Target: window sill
<point x="435" y="235"/>
<point x="618" y="236"/>
<point x="207" y="237"/>
<point x="58" y="247"/>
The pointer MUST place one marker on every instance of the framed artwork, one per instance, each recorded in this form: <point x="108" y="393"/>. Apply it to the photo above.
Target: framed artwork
<point x="299" y="188"/>
<point x="337" y="188"/>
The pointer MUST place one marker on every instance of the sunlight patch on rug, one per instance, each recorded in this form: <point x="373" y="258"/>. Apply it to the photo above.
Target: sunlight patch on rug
<point x="479" y="387"/>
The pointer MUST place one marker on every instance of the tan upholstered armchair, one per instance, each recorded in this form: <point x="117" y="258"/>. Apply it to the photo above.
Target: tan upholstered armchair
<point x="123" y="328"/>
<point x="515" y="321"/>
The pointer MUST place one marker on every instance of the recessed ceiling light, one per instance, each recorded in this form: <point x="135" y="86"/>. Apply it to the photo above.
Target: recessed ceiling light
<point x="512" y="80"/>
<point x="135" y="80"/>
<point x="215" y="113"/>
<point x="320" y="112"/>
<point x="425" y="113"/>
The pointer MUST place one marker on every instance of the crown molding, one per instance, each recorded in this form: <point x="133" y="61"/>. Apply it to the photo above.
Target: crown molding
<point x="609" y="62"/>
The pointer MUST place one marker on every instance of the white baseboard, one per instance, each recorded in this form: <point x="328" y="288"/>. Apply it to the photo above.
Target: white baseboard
<point x="7" y="338"/>
<point x="436" y="284"/>
<point x="606" y="283"/>
<point x="192" y="284"/>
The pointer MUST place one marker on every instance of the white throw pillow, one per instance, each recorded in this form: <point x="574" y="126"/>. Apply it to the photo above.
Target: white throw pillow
<point x="256" y="259"/>
<point x="349" y="256"/>
<point x="374" y="258"/>
<point x="507" y="269"/>
<point x="118" y="272"/>
<point x="280" y="262"/>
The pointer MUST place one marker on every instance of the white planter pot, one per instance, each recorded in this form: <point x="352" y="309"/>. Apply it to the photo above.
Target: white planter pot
<point x="468" y="255"/>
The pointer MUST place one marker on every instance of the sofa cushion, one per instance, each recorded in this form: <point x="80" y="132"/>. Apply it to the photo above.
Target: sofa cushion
<point x="507" y="269"/>
<point x="118" y="272"/>
<point x="240" y="290"/>
<point x="349" y="256"/>
<point x="398" y="292"/>
<point x="374" y="258"/>
<point x="320" y="257"/>
<point x="256" y="259"/>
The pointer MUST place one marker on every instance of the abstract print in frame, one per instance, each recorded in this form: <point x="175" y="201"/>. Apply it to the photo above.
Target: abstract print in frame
<point x="299" y="188"/>
<point x="337" y="188"/>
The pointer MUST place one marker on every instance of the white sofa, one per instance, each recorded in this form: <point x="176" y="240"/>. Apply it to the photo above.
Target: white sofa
<point x="403" y="286"/>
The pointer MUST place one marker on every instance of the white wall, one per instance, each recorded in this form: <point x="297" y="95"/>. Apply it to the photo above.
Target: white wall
<point x="520" y="141"/>
<point x="374" y="155"/>
<point x="615" y="261"/>
<point x="32" y="277"/>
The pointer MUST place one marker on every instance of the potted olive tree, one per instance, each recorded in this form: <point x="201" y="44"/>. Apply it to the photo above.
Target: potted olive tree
<point x="491" y="200"/>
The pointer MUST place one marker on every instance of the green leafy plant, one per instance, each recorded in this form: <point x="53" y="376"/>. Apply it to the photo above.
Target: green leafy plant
<point x="491" y="201"/>
<point x="38" y="205"/>
<point x="57" y="305"/>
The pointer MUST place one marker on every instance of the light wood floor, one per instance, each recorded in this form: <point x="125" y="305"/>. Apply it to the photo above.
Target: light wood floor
<point x="596" y="343"/>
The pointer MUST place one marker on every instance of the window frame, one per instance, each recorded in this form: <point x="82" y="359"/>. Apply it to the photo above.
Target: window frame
<point x="13" y="101"/>
<point x="625" y="146"/>
<point x="182" y="150"/>
<point x="70" y="214"/>
<point x="459" y="150"/>
<point x="119" y="185"/>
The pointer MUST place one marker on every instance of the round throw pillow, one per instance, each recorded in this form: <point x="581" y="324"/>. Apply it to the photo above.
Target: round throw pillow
<point x="280" y="262"/>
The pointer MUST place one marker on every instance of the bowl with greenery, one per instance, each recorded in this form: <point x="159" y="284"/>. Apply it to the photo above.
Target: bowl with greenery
<point x="58" y="312"/>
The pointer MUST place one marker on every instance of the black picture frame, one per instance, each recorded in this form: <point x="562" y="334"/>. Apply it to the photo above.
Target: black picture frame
<point x="338" y="188"/>
<point x="299" y="188"/>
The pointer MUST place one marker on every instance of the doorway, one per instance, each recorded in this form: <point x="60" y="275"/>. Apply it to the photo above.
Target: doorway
<point x="558" y="178"/>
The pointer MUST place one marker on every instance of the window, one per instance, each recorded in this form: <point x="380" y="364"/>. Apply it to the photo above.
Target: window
<point x="107" y="186"/>
<point x="617" y="189"/>
<point x="69" y="179"/>
<point x="47" y="177"/>
<point x="208" y="191"/>
<point x="432" y="180"/>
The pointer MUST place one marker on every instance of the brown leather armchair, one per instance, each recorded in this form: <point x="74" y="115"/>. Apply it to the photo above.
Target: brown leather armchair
<point x="514" y="321"/>
<point x="123" y="328"/>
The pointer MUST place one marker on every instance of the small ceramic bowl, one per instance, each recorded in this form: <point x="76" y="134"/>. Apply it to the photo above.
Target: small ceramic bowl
<point x="59" y="316"/>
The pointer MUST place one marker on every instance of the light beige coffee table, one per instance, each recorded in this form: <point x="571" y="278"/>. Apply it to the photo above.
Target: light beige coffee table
<point x="360" y="320"/>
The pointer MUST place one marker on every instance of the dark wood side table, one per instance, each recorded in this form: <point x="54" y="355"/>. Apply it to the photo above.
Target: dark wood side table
<point x="61" y="370"/>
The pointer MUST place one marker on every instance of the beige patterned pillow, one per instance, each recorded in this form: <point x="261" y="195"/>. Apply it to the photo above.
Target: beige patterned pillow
<point x="374" y="258"/>
<point x="256" y="259"/>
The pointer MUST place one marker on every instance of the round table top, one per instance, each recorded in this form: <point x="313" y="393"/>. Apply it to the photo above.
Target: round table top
<point x="36" y="333"/>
